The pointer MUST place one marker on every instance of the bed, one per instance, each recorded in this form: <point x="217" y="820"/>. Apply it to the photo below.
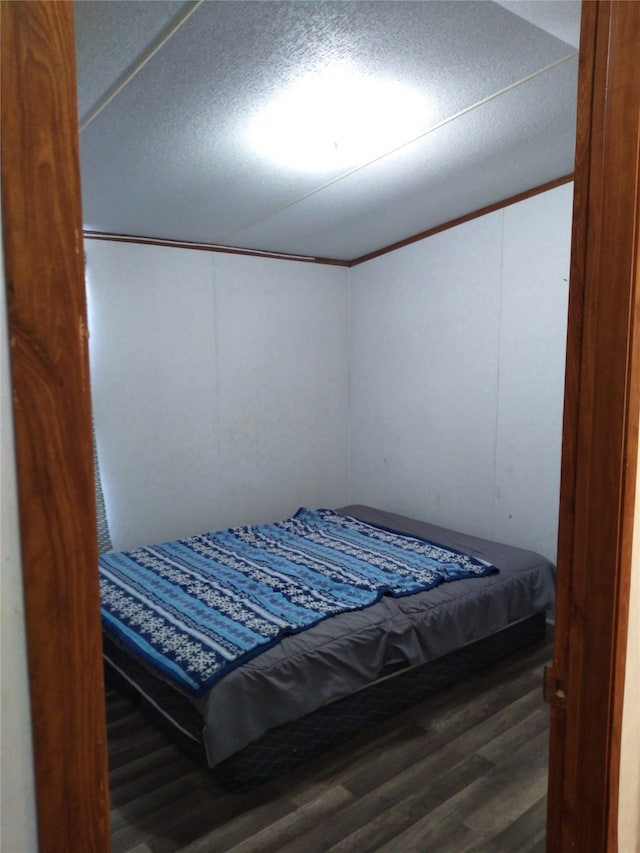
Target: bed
<point x="306" y="689"/>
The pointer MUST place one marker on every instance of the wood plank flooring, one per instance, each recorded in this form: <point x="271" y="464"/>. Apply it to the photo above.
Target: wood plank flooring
<point x="463" y="772"/>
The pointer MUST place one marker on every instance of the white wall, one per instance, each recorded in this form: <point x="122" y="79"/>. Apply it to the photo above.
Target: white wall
<point x="230" y="390"/>
<point x="18" y="831"/>
<point x="220" y="388"/>
<point x="424" y="363"/>
<point x="629" y="804"/>
<point x="458" y="346"/>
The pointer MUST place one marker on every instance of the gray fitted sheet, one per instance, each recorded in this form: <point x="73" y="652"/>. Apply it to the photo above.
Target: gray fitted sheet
<point x="348" y="652"/>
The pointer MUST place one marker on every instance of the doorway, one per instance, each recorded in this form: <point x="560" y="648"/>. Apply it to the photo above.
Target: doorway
<point x="43" y="263"/>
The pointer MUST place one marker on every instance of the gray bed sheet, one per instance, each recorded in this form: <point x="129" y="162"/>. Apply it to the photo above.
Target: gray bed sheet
<point x="348" y="652"/>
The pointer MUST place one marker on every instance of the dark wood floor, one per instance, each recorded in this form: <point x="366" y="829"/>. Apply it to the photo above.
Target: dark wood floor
<point x="462" y="771"/>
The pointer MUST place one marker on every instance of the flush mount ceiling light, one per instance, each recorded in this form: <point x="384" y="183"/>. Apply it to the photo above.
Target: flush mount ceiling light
<point x="338" y="118"/>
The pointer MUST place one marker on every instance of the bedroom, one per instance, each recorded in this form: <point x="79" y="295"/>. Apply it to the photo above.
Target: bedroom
<point x="297" y="374"/>
<point x="238" y="324"/>
<point x="320" y="353"/>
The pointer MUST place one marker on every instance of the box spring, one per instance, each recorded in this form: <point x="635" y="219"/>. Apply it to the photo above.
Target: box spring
<point x="289" y="745"/>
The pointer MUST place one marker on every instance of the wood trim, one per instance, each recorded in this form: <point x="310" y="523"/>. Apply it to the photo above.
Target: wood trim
<point x="211" y="247"/>
<point x="50" y="376"/>
<point x="498" y="205"/>
<point x="570" y="421"/>
<point x="600" y="439"/>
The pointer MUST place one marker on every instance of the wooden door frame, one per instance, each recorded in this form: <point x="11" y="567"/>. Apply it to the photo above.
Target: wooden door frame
<point x="44" y="273"/>
<point x="47" y="332"/>
<point x="600" y="439"/>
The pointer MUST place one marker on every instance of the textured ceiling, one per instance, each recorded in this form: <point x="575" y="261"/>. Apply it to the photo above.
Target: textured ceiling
<point x="168" y="92"/>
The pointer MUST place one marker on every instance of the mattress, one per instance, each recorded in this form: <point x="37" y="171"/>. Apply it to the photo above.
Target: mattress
<point x="344" y="655"/>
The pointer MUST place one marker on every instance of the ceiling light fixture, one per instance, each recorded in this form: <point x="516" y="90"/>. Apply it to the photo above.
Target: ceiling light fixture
<point x="337" y="118"/>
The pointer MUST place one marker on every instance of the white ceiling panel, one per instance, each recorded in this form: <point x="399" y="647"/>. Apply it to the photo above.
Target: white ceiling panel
<point x="489" y="154"/>
<point x="111" y="37"/>
<point x="171" y="155"/>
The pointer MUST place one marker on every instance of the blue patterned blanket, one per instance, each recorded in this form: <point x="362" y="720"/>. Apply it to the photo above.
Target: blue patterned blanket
<point x="196" y="608"/>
